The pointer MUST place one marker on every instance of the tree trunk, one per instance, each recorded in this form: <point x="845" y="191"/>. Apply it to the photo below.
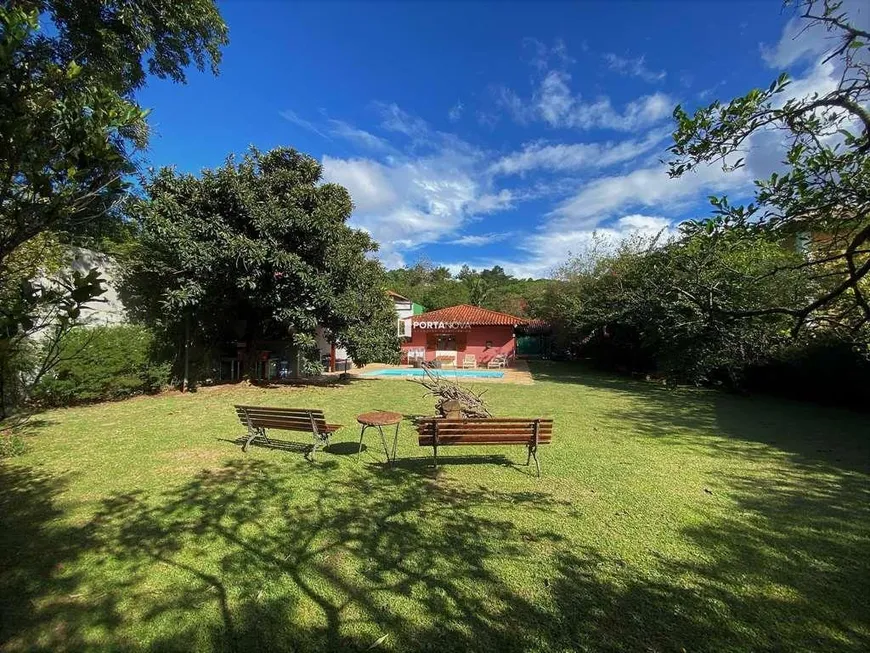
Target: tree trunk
<point x="185" y="383"/>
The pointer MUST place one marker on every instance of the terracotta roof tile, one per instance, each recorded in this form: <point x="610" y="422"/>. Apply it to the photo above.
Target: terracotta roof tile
<point x="471" y="314"/>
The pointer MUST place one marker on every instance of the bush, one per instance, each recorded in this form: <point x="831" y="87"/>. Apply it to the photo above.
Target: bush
<point x="824" y="370"/>
<point x="101" y="364"/>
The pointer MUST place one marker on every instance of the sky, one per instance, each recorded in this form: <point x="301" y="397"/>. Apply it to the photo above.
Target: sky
<point x="487" y="134"/>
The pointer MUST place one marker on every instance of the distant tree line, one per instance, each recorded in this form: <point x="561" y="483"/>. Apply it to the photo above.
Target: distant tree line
<point x="434" y="287"/>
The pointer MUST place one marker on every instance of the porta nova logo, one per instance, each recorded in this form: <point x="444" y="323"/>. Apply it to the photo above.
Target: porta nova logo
<point x="448" y="326"/>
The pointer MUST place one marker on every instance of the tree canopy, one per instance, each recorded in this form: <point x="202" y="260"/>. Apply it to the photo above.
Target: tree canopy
<point x="70" y="130"/>
<point x="821" y="195"/>
<point x="258" y="249"/>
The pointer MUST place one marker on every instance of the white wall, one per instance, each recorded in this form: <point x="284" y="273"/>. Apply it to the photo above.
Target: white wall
<point x="106" y="309"/>
<point x="325" y="347"/>
<point x="404" y="312"/>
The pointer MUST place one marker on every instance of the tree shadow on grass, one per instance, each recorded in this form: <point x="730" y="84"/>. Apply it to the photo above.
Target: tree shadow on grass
<point x="36" y="549"/>
<point x="797" y="536"/>
<point x="246" y="558"/>
<point x="810" y="434"/>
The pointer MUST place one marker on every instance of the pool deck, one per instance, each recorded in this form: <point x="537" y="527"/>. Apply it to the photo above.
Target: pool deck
<point x="518" y="374"/>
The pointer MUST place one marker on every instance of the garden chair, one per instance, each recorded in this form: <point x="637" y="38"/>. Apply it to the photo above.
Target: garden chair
<point x="500" y="360"/>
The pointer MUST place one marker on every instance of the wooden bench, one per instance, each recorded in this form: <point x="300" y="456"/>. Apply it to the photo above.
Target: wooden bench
<point x="307" y="420"/>
<point x="437" y="432"/>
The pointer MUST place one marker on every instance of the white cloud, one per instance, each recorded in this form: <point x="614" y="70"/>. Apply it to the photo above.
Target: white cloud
<point x="407" y="201"/>
<point x="296" y="119"/>
<point x="547" y="249"/>
<point x="493" y="202"/>
<point x="359" y="136"/>
<point x="455" y="112"/>
<point x="543" y="54"/>
<point x="801" y="40"/>
<point x="366" y="180"/>
<point x="479" y="240"/>
<point x="508" y="100"/>
<point x="797" y="42"/>
<point x="397" y="120"/>
<point x="633" y="67"/>
<point x="647" y="187"/>
<point x="554" y="103"/>
<point x="576" y="156"/>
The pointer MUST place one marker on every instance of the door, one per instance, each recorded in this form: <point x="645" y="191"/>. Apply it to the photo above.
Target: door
<point x="445" y="346"/>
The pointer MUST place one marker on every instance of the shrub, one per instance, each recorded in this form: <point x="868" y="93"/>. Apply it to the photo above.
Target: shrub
<point x="101" y="364"/>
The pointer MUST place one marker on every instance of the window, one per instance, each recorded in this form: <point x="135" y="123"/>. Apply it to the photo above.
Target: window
<point x="446" y="343"/>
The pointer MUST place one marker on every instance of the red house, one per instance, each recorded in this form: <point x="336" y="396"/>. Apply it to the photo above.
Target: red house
<point x="455" y="331"/>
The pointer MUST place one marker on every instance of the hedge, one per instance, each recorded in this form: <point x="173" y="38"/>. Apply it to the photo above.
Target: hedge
<point x="102" y="364"/>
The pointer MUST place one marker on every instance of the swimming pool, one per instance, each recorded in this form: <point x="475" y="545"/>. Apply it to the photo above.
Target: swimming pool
<point x="401" y="371"/>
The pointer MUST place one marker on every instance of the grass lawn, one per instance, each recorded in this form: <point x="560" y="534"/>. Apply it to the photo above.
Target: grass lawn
<point x="664" y="521"/>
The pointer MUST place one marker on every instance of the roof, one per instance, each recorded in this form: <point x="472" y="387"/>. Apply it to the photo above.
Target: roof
<point x="471" y="314"/>
<point x="396" y="295"/>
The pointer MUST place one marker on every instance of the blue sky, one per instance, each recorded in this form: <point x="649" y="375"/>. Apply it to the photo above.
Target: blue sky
<point x="485" y="133"/>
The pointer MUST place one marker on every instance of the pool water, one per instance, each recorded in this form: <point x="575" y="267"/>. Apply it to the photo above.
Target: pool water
<point x="400" y="371"/>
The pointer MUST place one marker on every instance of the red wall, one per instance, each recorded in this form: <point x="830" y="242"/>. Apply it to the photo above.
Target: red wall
<point x="502" y="337"/>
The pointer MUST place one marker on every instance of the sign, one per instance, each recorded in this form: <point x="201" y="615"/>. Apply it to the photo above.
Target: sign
<point x="442" y="326"/>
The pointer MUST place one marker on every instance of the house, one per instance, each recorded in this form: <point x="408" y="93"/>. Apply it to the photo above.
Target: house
<point x="453" y="332"/>
<point x="405" y="310"/>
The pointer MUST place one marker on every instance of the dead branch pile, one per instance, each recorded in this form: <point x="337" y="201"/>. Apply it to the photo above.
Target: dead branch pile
<point x="471" y="403"/>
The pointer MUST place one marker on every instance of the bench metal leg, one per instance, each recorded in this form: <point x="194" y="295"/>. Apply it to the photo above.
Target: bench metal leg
<point x="529" y="457"/>
<point x="254" y="433"/>
<point x="435" y="457"/>
<point x="533" y="452"/>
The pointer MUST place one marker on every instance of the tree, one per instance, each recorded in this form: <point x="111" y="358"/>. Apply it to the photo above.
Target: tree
<point x="640" y="308"/>
<point x="34" y="306"/>
<point x="822" y="195"/>
<point x="69" y="125"/>
<point x="257" y="250"/>
<point x="70" y="129"/>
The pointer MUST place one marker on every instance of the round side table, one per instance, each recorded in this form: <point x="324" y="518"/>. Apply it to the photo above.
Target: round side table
<point x="379" y="419"/>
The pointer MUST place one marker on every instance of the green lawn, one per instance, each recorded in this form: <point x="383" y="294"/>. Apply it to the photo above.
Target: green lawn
<point x="664" y="521"/>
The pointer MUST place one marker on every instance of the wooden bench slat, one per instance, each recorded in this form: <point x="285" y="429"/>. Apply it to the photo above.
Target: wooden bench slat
<point x="485" y="420"/>
<point x="484" y="428"/>
<point x="297" y="410"/>
<point x="484" y="434"/>
<point x="284" y="425"/>
<point x="273" y="413"/>
<point x="460" y="439"/>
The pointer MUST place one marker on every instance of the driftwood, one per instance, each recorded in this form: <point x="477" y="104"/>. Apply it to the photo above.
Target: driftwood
<point x="449" y="393"/>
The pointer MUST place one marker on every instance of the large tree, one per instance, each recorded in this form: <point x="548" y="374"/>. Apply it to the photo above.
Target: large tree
<point x="257" y="249"/>
<point x="70" y="128"/>
<point x="819" y="201"/>
<point x="644" y="307"/>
